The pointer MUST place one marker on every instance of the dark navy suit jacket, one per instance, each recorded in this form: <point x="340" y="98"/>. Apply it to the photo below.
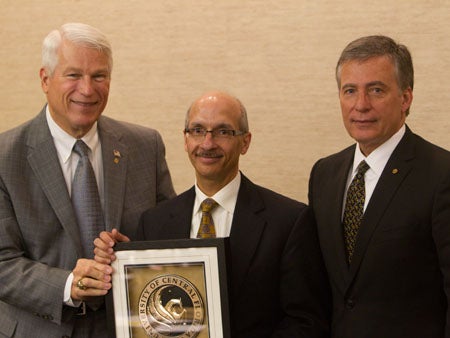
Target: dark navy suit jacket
<point x="398" y="283"/>
<point x="278" y="286"/>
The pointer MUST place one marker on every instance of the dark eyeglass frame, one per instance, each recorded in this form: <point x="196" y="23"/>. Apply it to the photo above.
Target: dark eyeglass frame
<point x="198" y="132"/>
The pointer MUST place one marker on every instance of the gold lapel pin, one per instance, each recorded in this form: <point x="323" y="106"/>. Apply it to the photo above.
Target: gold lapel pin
<point x="395" y="171"/>
<point x="116" y="156"/>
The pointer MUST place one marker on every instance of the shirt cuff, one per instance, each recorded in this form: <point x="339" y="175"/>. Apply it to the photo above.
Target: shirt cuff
<point x="67" y="292"/>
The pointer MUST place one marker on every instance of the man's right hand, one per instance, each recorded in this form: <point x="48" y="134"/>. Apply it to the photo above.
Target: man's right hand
<point x="104" y="252"/>
<point x="90" y="279"/>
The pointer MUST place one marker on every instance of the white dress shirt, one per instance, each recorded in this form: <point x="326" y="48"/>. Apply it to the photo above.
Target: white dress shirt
<point x="223" y="214"/>
<point x="68" y="161"/>
<point x="377" y="160"/>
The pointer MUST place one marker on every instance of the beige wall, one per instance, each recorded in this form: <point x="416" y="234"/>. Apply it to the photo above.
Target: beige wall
<point x="278" y="56"/>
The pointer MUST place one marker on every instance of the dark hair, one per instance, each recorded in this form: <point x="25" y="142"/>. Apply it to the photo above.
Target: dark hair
<point x="378" y="45"/>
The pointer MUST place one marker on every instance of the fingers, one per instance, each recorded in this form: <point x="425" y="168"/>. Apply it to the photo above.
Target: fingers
<point x="104" y="252"/>
<point x="103" y="249"/>
<point x="119" y="237"/>
<point x="91" y="288"/>
<point x="90" y="278"/>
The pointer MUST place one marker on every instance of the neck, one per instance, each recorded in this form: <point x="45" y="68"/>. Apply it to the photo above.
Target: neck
<point x="211" y="186"/>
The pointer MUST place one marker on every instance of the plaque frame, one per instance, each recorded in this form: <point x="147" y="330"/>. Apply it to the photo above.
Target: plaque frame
<point x="206" y="256"/>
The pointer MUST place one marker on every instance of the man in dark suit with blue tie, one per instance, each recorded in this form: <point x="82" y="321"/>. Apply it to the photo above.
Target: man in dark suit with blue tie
<point x="278" y="286"/>
<point x="48" y="285"/>
<point x="384" y="225"/>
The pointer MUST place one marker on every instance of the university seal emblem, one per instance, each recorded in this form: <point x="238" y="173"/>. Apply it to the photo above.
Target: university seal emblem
<point x="171" y="306"/>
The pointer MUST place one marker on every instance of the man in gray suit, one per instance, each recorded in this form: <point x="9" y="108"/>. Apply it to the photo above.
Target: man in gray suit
<point x="48" y="288"/>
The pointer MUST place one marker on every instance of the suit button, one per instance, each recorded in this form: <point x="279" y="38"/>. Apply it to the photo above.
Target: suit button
<point x="349" y="304"/>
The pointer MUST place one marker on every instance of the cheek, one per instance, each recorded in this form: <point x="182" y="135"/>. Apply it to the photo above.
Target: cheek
<point x="345" y="116"/>
<point x="188" y="145"/>
<point x="347" y="104"/>
<point x="234" y="154"/>
<point x="105" y="90"/>
<point x="344" y="109"/>
<point x="190" y="148"/>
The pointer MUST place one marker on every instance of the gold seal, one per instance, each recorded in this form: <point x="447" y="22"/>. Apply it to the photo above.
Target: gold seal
<point x="171" y="306"/>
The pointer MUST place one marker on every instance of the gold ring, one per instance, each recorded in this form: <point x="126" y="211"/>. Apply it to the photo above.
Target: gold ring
<point x="80" y="284"/>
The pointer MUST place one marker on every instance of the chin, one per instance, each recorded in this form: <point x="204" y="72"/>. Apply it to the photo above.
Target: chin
<point x="207" y="173"/>
<point x="363" y="134"/>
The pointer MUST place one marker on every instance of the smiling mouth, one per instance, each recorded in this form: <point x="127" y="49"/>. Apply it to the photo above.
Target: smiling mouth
<point x="363" y="121"/>
<point x="208" y="155"/>
<point x="84" y="104"/>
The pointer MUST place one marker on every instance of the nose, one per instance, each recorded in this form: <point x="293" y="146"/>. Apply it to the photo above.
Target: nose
<point x="208" y="141"/>
<point x="362" y="103"/>
<point x="85" y="86"/>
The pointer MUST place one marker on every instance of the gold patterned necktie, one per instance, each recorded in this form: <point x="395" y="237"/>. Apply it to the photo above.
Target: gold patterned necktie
<point x="207" y="229"/>
<point x="354" y="208"/>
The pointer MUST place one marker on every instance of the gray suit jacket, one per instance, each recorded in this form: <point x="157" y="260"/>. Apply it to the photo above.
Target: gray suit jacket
<point x="39" y="236"/>
<point x="397" y="284"/>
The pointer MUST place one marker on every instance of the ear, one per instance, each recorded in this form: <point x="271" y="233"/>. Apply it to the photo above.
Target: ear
<point x="44" y="79"/>
<point x="246" y="139"/>
<point x="185" y="142"/>
<point x="407" y="97"/>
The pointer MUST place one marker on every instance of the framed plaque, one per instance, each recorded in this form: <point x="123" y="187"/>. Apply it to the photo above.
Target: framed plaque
<point x="169" y="288"/>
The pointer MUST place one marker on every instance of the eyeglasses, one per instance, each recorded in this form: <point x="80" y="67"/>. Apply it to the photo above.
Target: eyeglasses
<point x="215" y="133"/>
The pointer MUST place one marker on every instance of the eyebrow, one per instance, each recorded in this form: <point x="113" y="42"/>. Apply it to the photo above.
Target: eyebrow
<point x="219" y="126"/>
<point x="376" y="83"/>
<point x="79" y="70"/>
<point x="370" y="84"/>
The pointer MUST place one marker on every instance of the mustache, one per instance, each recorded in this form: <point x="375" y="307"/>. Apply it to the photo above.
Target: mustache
<point x="208" y="154"/>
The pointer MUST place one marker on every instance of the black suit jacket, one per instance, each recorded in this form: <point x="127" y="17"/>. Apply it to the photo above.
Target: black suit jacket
<point x="398" y="282"/>
<point x="278" y="284"/>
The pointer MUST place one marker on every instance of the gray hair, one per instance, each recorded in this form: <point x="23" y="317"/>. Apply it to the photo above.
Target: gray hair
<point x="79" y="34"/>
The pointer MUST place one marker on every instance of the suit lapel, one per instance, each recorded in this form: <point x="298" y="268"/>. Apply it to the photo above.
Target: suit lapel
<point x="246" y="230"/>
<point x="396" y="170"/>
<point x="44" y="162"/>
<point x="115" y="162"/>
<point x="178" y="224"/>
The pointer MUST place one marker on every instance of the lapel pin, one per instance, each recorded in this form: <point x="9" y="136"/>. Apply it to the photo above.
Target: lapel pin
<point x="395" y="171"/>
<point x="116" y="156"/>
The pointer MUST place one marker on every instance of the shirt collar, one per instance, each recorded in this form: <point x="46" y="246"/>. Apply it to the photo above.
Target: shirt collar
<point x="225" y="197"/>
<point x="64" y="142"/>
<point x="378" y="158"/>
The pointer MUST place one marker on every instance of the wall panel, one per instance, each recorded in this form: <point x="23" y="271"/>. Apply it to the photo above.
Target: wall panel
<point x="277" y="56"/>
